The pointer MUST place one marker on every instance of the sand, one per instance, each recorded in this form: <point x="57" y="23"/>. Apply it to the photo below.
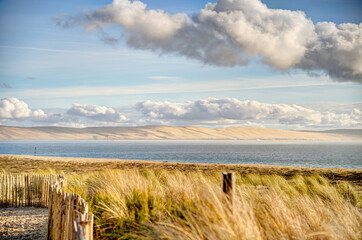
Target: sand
<point x="23" y="223"/>
<point x="170" y="133"/>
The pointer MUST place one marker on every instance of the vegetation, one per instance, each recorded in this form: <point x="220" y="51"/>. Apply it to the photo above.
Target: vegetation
<point x="148" y="204"/>
<point x="144" y="200"/>
<point x="29" y="164"/>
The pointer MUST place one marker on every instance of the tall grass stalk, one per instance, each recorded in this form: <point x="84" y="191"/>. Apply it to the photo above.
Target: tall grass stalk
<point x="147" y="204"/>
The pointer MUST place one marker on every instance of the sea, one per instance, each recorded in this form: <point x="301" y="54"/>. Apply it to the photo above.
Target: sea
<point x="305" y="154"/>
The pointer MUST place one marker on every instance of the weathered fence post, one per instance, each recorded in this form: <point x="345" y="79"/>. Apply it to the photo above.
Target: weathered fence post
<point x="84" y="226"/>
<point x="228" y="186"/>
<point x="50" y="213"/>
<point x="6" y="191"/>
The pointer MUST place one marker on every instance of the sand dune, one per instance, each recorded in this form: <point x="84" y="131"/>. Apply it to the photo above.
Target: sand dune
<point x="170" y="133"/>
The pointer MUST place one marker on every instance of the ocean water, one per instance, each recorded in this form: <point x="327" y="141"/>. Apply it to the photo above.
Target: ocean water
<point x="307" y="154"/>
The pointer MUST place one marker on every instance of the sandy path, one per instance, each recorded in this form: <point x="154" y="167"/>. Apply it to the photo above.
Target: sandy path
<point x="23" y="223"/>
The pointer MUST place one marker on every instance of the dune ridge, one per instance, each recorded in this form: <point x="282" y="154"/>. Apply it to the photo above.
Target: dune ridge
<point x="8" y="133"/>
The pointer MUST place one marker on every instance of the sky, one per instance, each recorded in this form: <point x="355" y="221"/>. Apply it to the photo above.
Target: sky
<point x="285" y="64"/>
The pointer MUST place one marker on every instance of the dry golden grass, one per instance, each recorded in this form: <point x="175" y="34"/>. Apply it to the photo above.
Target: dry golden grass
<point x="149" y="200"/>
<point x="21" y="164"/>
<point x="147" y="204"/>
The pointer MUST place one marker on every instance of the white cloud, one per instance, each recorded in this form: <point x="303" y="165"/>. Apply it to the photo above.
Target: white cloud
<point x="39" y="115"/>
<point x="278" y="36"/>
<point x="210" y="112"/>
<point x="98" y="113"/>
<point x="57" y="119"/>
<point x="227" y="109"/>
<point x="230" y="32"/>
<point x="13" y="108"/>
<point x="356" y="114"/>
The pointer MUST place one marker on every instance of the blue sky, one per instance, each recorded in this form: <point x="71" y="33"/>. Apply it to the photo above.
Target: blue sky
<point x="50" y="67"/>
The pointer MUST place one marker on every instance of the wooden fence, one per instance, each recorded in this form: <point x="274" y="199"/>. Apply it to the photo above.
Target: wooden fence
<point x="26" y="190"/>
<point x="68" y="216"/>
<point x="68" y="212"/>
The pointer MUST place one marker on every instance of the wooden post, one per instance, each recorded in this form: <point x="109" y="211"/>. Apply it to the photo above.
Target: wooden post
<point x="46" y="192"/>
<point x="16" y="190"/>
<point x="62" y="215"/>
<point x="23" y="190"/>
<point x="9" y="191"/>
<point x="50" y="214"/>
<point x="35" y="196"/>
<point x="73" y="216"/>
<point x="31" y="190"/>
<point x="20" y="181"/>
<point x="26" y="190"/>
<point x="38" y="191"/>
<point x="6" y="191"/>
<point x="2" y="190"/>
<point x="84" y="226"/>
<point x="91" y="220"/>
<point x="228" y="186"/>
<point x="12" y="190"/>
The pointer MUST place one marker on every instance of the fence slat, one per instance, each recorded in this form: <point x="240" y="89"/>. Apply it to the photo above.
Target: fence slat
<point x="16" y="190"/>
<point x="2" y="190"/>
<point x="11" y="192"/>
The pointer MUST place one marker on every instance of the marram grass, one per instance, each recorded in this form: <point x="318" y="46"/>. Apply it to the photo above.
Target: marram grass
<point x="159" y="204"/>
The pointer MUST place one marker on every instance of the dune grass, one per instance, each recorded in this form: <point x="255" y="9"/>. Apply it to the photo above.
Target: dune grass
<point x="160" y="204"/>
<point x="146" y="200"/>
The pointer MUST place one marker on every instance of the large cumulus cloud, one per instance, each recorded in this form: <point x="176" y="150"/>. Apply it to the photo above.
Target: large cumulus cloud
<point x="230" y="32"/>
<point x="98" y="113"/>
<point x="13" y="108"/>
<point x="213" y="109"/>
